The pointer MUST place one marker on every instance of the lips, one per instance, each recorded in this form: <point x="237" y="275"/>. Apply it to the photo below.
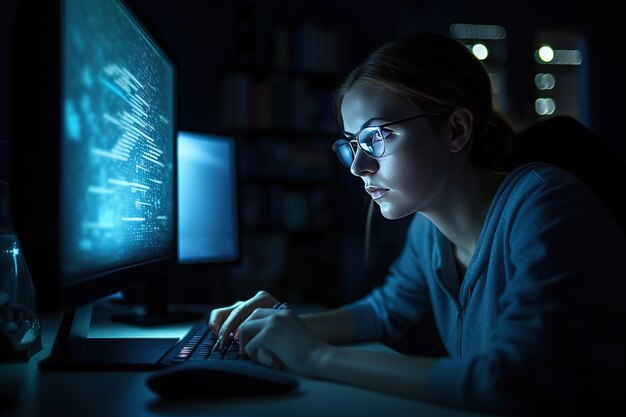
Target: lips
<point x="376" y="192"/>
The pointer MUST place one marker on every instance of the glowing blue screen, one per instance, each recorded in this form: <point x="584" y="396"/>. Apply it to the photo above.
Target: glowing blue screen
<point x="117" y="141"/>
<point x="207" y="198"/>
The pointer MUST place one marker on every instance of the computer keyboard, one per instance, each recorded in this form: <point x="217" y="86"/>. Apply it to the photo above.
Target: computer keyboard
<point x="197" y="346"/>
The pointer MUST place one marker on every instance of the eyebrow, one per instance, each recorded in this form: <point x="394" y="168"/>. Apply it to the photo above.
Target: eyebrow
<point x="364" y="125"/>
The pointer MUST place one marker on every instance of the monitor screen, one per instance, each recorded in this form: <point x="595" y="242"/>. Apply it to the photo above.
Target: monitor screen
<point x="207" y="199"/>
<point x="93" y="123"/>
<point x="117" y="130"/>
<point x="94" y="167"/>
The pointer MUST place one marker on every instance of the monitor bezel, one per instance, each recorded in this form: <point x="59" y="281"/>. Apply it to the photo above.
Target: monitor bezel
<point x="37" y="78"/>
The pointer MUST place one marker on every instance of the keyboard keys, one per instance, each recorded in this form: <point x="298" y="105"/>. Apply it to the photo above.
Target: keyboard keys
<point x="185" y="352"/>
<point x="233" y="351"/>
<point x="198" y="346"/>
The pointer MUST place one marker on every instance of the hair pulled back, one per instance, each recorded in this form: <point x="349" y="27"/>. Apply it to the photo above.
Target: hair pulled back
<point x="438" y="74"/>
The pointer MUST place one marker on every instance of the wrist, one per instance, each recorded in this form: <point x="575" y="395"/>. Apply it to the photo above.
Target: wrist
<point x="320" y="360"/>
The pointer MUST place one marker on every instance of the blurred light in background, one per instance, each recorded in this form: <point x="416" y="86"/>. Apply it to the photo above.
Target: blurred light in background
<point x="544" y="81"/>
<point x="480" y="51"/>
<point x="567" y="57"/>
<point x="488" y="44"/>
<point x="545" y="106"/>
<point x="470" y="31"/>
<point x="545" y="53"/>
<point x="558" y="55"/>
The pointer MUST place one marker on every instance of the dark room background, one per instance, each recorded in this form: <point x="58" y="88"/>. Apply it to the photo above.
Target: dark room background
<point x="264" y="72"/>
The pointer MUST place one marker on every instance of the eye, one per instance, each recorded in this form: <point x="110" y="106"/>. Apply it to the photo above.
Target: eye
<point x="382" y="134"/>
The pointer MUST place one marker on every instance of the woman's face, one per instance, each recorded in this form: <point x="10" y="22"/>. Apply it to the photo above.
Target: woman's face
<point x="416" y="161"/>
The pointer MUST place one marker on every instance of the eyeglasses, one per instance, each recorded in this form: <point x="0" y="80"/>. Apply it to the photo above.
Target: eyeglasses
<point x="370" y="139"/>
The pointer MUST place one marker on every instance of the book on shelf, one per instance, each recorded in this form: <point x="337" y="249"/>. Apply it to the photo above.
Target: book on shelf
<point x="275" y="101"/>
<point x="288" y="209"/>
<point x="308" y="49"/>
<point x="288" y="160"/>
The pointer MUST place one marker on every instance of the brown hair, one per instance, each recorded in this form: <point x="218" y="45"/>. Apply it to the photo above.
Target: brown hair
<point x="438" y="74"/>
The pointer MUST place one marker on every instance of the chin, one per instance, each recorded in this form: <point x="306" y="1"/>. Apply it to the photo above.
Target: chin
<point x="392" y="212"/>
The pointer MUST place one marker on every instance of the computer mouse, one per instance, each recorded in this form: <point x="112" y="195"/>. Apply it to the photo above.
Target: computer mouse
<point x="216" y="379"/>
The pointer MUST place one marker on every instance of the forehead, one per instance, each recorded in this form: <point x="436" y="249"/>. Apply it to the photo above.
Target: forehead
<point x="363" y="103"/>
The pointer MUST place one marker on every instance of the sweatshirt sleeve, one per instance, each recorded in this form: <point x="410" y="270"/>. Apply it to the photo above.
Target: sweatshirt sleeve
<point x="403" y="299"/>
<point x="565" y="254"/>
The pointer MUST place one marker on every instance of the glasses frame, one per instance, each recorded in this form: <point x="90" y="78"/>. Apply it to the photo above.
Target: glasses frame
<point x="361" y="144"/>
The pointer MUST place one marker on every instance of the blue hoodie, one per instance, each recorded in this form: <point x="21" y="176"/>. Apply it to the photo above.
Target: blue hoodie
<point x="538" y="323"/>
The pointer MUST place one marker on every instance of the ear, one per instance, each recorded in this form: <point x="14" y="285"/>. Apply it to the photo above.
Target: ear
<point x="461" y="122"/>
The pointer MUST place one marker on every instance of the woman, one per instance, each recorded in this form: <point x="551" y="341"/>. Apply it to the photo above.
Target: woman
<point x="524" y="272"/>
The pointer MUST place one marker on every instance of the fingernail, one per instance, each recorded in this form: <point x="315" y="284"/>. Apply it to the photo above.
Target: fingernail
<point x="215" y="346"/>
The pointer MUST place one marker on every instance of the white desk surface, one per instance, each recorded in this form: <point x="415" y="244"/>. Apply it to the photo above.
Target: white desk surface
<point x="121" y="394"/>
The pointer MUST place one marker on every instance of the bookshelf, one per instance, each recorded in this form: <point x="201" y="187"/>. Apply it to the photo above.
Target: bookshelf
<point x="276" y="100"/>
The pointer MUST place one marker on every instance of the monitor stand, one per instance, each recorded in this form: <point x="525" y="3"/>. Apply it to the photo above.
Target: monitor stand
<point x="74" y="351"/>
<point x="153" y="310"/>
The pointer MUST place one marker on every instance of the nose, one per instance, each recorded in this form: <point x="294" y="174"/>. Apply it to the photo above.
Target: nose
<point x="363" y="164"/>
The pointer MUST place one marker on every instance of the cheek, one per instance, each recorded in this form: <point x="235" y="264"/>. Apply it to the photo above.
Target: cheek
<point x="414" y="174"/>
<point x="414" y="179"/>
<point x="408" y="175"/>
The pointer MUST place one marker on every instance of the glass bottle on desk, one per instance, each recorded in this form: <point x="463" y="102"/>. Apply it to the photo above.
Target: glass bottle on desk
<point x="20" y="329"/>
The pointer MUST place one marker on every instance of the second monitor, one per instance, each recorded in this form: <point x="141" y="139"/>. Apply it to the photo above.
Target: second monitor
<point x="207" y="199"/>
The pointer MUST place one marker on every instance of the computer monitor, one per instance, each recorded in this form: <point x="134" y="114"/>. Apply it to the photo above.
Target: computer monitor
<point x="94" y="194"/>
<point x="207" y="226"/>
<point x="207" y="199"/>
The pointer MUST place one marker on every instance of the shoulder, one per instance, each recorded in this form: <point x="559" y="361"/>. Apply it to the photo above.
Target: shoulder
<point x="536" y="185"/>
<point x="539" y="174"/>
<point x="539" y="196"/>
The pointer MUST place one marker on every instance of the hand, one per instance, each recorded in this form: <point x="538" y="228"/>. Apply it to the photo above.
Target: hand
<point x="279" y="337"/>
<point x="225" y="321"/>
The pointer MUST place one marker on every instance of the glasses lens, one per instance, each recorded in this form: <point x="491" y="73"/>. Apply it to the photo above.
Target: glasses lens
<point x="345" y="152"/>
<point x="372" y="142"/>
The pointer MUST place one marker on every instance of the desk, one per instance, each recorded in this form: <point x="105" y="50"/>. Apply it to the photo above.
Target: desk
<point x="121" y="394"/>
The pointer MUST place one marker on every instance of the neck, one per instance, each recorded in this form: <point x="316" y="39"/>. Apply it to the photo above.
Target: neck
<point x="471" y="189"/>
